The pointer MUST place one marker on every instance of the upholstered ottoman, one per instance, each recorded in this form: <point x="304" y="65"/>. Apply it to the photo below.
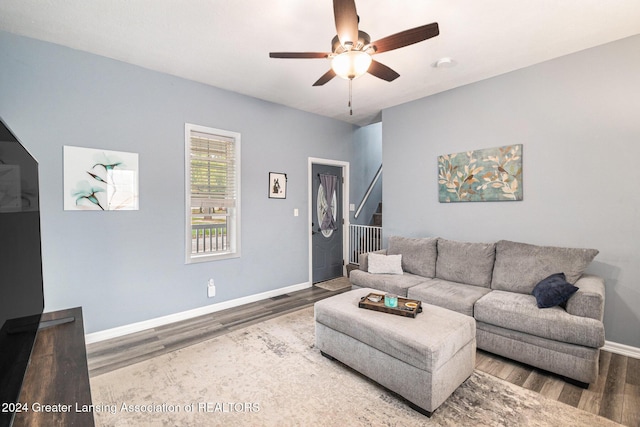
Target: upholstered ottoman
<point x="423" y="359"/>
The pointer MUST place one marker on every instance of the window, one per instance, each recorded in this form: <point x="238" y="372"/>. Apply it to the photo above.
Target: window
<point x="212" y="165"/>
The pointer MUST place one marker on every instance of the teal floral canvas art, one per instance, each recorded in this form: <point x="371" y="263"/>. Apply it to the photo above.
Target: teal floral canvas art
<point x="100" y="179"/>
<point x="490" y="174"/>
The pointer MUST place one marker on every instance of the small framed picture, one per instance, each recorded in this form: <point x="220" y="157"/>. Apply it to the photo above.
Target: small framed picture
<point x="277" y="185"/>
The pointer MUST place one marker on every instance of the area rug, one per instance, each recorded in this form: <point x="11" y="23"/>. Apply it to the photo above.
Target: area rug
<point x="270" y="374"/>
<point x="335" y="284"/>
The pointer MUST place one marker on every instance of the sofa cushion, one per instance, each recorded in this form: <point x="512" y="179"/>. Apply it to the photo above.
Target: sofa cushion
<point x="385" y="264"/>
<point x="463" y="262"/>
<point x="553" y="290"/>
<point x="520" y="266"/>
<point x="520" y="312"/>
<point x="418" y="254"/>
<point x="450" y="295"/>
<point x="393" y="283"/>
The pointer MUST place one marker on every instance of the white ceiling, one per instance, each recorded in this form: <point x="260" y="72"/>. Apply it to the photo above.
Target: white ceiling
<point x="226" y="43"/>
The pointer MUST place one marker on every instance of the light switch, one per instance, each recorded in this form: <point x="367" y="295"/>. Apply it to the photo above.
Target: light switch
<point x="352" y="207"/>
<point x="295" y="212"/>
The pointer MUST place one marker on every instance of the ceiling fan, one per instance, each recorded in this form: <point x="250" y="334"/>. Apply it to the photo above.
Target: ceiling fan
<point x="352" y="49"/>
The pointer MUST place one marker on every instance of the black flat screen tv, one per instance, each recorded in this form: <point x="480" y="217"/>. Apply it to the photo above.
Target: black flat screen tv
<point x="21" y="289"/>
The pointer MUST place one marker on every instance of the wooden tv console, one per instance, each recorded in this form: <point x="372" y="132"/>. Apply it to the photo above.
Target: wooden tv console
<point x="57" y="376"/>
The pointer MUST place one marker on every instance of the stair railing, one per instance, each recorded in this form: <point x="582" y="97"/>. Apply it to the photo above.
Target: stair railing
<point x="368" y="193"/>
<point x="363" y="239"/>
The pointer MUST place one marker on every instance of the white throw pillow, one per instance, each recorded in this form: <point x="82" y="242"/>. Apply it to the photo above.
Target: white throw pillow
<point x="385" y="264"/>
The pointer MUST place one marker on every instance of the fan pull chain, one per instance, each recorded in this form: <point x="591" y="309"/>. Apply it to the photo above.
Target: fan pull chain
<point x="350" y="97"/>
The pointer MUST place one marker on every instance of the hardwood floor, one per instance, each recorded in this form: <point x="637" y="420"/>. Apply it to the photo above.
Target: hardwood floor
<point x="615" y="395"/>
<point x="108" y="355"/>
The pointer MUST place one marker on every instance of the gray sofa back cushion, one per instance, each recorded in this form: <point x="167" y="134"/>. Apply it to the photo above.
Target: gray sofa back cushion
<point x="520" y="266"/>
<point x="464" y="262"/>
<point x="418" y="254"/>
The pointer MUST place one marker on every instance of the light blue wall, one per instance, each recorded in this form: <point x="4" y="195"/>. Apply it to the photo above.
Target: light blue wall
<point x="125" y="267"/>
<point x="578" y="119"/>
<point x="367" y="143"/>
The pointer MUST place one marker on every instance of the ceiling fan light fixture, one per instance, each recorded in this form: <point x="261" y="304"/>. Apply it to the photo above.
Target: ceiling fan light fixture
<point x="351" y="64"/>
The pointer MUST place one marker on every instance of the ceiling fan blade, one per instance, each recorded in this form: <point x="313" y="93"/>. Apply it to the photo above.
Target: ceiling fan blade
<point x="382" y="71"/>
<point x="346" y="18"/>
<point x="406" y="38"/>
<point x="325" y="78"/>
<point x="294" y="55"/>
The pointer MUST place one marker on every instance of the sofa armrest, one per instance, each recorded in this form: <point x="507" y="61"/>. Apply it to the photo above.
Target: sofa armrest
<point x="363" y="259"/>
<point x="588" y="301"/>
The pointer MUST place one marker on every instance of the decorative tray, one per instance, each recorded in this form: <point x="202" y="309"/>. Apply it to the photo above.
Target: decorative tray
<point x="375" y="301"/>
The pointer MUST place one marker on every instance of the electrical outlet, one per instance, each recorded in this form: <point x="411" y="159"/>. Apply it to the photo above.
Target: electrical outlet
<point x="211" y="289"/>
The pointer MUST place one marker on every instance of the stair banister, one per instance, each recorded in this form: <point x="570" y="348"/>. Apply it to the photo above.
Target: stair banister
<point x="368" y="193"/>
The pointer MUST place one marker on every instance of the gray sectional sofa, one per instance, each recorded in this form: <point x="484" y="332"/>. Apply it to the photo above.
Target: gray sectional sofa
<point x="493" y="283"/>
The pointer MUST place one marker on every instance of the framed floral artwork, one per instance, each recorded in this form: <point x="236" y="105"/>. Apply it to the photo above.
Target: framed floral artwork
<point x="97" y="179"/>
<point x="490" y="174"/>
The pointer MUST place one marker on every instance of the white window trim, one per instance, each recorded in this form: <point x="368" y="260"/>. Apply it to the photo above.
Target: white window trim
<point x="235" y="227"/>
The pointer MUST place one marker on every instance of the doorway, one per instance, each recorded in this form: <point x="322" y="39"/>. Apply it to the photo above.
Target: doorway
<point x="328" y="219"/>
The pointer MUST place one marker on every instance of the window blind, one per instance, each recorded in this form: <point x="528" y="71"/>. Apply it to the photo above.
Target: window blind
<point x="213" y="171"/>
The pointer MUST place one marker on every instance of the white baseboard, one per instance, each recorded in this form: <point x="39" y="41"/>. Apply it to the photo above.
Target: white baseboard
<point x="176" y="317"/>
<point x="622" y="349"/>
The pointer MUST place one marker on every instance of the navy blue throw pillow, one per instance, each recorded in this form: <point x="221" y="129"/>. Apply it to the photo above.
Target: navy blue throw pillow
<point x="552" y="291"/>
